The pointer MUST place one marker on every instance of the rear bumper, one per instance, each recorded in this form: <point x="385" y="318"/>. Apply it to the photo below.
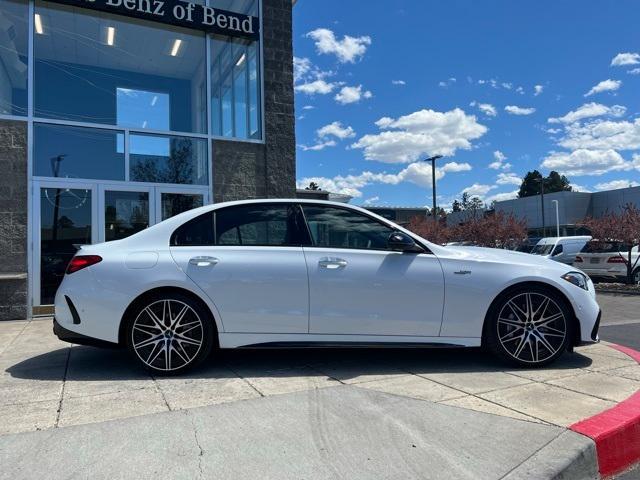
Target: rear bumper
<point x="79" y="339"/>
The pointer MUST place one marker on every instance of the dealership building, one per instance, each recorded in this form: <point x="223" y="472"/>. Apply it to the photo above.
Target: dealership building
<point x="117" y="114"/>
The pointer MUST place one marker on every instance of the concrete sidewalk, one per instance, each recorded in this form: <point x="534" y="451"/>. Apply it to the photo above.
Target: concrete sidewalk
<point x="337" y="432"/>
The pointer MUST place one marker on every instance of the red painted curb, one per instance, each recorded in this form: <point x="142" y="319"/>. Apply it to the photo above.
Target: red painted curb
<point x="616" y="431"/>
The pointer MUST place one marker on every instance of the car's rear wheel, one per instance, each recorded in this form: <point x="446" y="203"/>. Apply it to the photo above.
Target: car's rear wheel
<point x="169" y="333"/>
<point x="530" y="326"/>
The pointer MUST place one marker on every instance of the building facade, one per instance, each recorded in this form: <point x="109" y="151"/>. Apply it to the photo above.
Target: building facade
<point x="117" y="114"/>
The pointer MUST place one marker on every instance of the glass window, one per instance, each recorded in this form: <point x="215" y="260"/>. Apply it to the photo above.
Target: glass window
<point x="341" y="228"/>
<point x="163" y="159"/>
<point x="97" y="67"/>
<point x="76" y="152"/>
<point x="14" y="15"/>
<point x="259" y="224"/>
<point x="235" y="88"/>
<point x="195" y="233"/>
<point x="125" y="213"/>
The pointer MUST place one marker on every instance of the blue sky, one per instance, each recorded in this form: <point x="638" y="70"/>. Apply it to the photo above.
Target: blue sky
<point x="498" y="87"/>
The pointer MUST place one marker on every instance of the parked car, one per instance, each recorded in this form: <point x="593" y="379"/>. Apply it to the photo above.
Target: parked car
<point x="528" y="245"/>
<point x="607" y="260"/>
<point x="283" y="273"/>
<point x="561" y="249"/>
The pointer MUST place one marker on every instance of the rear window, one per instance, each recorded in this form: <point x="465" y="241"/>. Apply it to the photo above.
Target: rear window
<point x="603" y="247"/>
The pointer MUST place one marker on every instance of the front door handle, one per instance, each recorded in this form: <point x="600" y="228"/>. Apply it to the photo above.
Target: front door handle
<point x="331" y="263"/>
<point x="203" y="261"/>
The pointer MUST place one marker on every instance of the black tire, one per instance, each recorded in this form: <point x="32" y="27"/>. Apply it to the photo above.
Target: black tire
<point x="526" y="340"/>
<point x="169" y="333"/>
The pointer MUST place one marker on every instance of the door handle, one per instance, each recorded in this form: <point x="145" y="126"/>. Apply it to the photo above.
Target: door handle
<point x="203" y="261"/>
<point x="332" y="263"/>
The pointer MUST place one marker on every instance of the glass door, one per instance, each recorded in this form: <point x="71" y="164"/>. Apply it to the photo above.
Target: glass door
<point x="65" y="220"/>
<point x="124" y="210"/>
<point x="171" y="202"/>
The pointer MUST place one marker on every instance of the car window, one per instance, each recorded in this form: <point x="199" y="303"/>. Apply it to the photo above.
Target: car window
<point x="542" y="249"/>
<point x="258" y="225"/>
<point x="558" y="250"/>
<point x="196" y="232"/>
<point x="335" y="227"/>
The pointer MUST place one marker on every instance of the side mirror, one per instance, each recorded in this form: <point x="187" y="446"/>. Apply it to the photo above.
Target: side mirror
<point x="401" y="242"/>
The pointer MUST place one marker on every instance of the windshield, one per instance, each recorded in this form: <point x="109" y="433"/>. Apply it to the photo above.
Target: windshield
<point x="542" y="249"/>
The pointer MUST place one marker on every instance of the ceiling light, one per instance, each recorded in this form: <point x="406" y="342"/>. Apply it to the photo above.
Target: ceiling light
<point x="38" y="24"/>
<point x="176" y="47"/>
<point x="111" y="35"/>
<point x="241" y="60"/>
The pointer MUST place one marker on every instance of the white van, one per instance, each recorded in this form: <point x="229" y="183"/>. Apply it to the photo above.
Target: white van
<point x="561" y="249"/>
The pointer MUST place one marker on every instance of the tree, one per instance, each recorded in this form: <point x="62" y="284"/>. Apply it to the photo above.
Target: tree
<point x="553" y="183"/>
<point x="436" y="232"/>
<point x="496" y="231"/>
<point x="313" y="186"/>
<point x="456" y="206"/>
<point x="623" y="228"/>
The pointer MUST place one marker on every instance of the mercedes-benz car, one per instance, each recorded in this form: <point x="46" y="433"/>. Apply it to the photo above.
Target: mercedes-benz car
<point x="292" y="273"/>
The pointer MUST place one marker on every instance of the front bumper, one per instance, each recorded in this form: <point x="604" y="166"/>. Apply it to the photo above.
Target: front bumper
<point x="79" y="339"/>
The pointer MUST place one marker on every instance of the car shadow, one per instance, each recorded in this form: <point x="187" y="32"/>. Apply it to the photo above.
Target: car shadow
<point x="94" y="364"/>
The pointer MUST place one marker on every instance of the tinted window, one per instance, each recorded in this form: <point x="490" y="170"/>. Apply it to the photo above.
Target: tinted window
<point x="558" y="250"/>
<point x="196" y="232"/>
<point x="259" y="224"/>
<point x="342" y="228"/>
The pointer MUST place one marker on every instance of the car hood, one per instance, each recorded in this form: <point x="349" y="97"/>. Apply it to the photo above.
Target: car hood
<point x="499" y="255"/>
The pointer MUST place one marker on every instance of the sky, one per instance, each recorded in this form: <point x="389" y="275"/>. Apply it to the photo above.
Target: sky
<point x="498" y="87"/>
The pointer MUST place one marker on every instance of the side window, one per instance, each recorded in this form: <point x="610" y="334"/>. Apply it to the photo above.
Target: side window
<point x="558" y="250"/>
<point x="196" y="232"/>
<point x="341" y="228"/>
<point x="258" y="225"/>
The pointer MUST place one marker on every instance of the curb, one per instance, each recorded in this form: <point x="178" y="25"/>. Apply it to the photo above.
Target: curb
<point x="616" y="432"/>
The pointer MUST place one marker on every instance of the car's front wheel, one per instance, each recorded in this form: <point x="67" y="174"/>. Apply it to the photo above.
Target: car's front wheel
<point x="530" y="326"/>
<point x="169" y="333"/>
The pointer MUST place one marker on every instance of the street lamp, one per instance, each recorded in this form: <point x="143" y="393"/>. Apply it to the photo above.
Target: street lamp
<point x="433" y="181"/>
<point x="557" y="218"/>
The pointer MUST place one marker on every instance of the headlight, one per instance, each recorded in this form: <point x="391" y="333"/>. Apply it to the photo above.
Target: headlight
<point x="578" y="279"/>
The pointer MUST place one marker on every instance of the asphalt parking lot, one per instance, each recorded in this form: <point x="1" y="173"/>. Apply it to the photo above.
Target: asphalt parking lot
<point x="52" y="396"/>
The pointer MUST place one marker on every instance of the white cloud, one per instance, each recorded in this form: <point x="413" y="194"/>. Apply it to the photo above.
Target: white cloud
<point x="319" y="87"/>
<point x="447" y="82"/>
<point x="603" y="135"/>
<point x="507" y="85"/>
<point x="589" y="162"/>
<point x="486" y="108"/>
<point x="407" y="138"/>
<point x="589" y="110"/>
<point x="336" y="129"/>
<point x="318" y="146"/>
<point x="418" y="173"/>
<point x="515" y="110"/>
<point x="579" y="188"/>
<point x="537" y="90"/>
<point x="347" y="50"/>
<point x="508" y="179"/>
<point x="308" y="107"/>
<point x="635" y="71"/>
<point x="301" y="67"/>
<point x="616" y="184"/>
<point x="371" y="201"/>
<point x="625" y="59"/>
<point x="499" y="162"/>
<point x="520" y="90"/>
<point x="398" y="82"/>
<point x="604" y="86"/>
<point x="352" y="95"/>
<point x="500" y="197"/>
<point x="478" y="190"/>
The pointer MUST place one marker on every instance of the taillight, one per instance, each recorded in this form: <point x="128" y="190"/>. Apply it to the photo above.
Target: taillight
<point x="579" y="259"/>
<point x="616" y="260"/>
<point x="82" y="261"/>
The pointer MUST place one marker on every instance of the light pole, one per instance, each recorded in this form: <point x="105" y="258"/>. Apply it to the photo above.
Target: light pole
<point x="557" y="218"/>
<point x="433" y="181"/>
<point x="544" y="226"/>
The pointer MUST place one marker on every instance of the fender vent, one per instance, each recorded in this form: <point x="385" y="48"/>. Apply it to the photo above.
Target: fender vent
<point x="74" y="312"/>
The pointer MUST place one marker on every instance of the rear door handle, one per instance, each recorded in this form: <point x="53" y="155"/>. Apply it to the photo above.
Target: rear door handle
<point x="203" y="261"/>
<point x="331" y="263"/>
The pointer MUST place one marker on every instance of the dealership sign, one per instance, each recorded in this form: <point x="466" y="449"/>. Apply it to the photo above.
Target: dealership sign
<point x="178" y="13"/>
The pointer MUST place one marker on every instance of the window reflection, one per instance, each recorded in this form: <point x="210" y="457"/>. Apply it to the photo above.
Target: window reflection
<point x="102" y="68"/>
<point x="77" y="152"/>
<point x="14" y="29"/>
<point x="175" y="203"/>
<point x="162" y="159"/>
<point x="125" y="213"/>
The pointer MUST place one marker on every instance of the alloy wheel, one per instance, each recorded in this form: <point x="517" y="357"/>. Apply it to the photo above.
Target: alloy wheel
<point x="167" y="335"/>
<point x="531" y="327"/>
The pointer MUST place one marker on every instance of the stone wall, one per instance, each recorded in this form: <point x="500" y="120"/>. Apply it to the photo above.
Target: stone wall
<point x="249" y="170"/>
<point x="13" y="219"/>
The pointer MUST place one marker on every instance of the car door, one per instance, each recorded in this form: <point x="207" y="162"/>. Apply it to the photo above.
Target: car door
<point x="359" y="287"/>
<point x="248" y="259"/>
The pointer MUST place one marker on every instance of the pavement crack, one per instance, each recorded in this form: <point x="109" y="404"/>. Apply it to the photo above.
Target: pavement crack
<point x="161" y="392"/>
<point x="533" y="454"/>
<point x="245" y="380"/>
<point x="64" y="383"/>
<point x="200" y="449"/>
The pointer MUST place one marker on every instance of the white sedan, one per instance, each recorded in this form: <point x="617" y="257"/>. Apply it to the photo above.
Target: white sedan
<point x="282" y="273"/>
